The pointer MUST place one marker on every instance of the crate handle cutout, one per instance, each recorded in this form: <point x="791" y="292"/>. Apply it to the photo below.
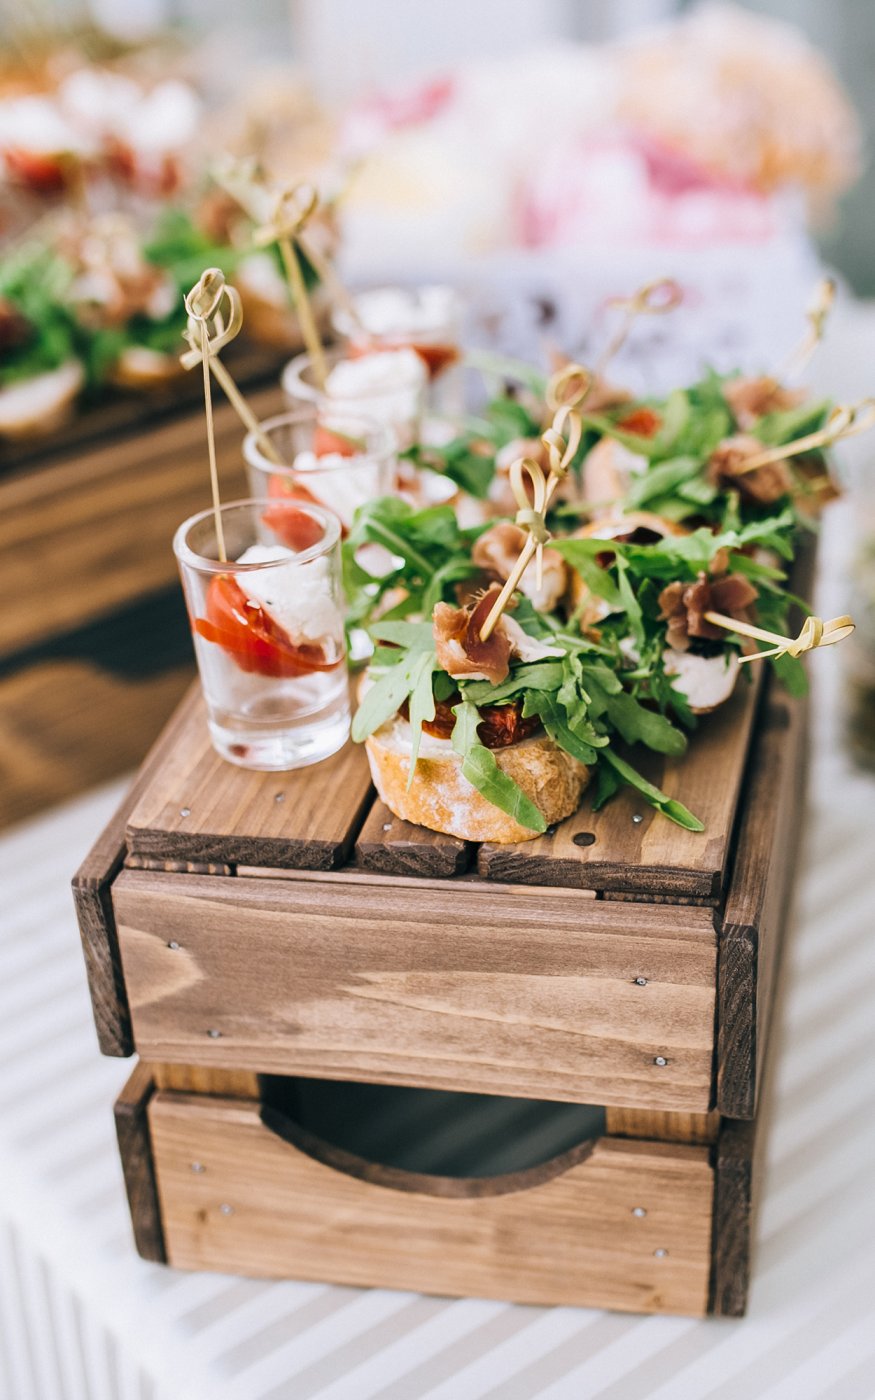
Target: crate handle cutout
<point x="436" y="1118"/>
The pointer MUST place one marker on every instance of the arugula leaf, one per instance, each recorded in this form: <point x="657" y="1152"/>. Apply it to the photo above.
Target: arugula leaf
<point x="668" y="806"/>
<point x="403" y="634"/>
<point x="791" y="673"/>
<point x="481" y="769"/>
<point x="787" y="424"/>
<point x="633" y="722"/>
<point x="658" y="480"/>
<point x="390" y="690"/>
<point x="421" y="705"/>
<point x="534" y="675"/>
<point x="554" y="719"/>
<point x="581" y="555"/>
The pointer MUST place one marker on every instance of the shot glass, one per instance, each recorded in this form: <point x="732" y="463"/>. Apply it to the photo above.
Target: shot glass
<point x="388" y="387"/>
<point x="426" y="319"/>
<point x="339" y="461"/>
<point x="268" y="633"/>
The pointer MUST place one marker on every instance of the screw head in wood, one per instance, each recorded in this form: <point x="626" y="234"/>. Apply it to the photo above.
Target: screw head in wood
<point x="214" y="1034"/>
<point x="640" y="981"/>
<point x="279" y="797"/>
<point x="185" y="811"/>
<point x="387" y="826"/>
<point x="225" y="1209"/>
<point x="637" y="818"/>
<point x="173" y="945"/>
<point x="198" y="1167"/>
<point x="660" y="1253"/>
<point x="639" y="1212"/>
<point x="657" y="1059"/>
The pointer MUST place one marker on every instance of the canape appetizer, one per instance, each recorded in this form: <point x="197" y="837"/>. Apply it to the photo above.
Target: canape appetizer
<point x="41" y="373"/>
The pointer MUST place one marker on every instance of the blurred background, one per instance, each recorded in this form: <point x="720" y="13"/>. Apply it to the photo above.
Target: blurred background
<point x="542" y="156"/>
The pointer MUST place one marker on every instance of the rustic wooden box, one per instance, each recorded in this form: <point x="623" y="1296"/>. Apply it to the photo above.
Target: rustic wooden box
<point x="611" y="1209"/>
<point x="95" y="654"/>
<point x="288" y="924"/>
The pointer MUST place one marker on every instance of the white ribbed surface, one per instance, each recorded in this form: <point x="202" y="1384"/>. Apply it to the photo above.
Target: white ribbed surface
<point x="81" y="1318"/>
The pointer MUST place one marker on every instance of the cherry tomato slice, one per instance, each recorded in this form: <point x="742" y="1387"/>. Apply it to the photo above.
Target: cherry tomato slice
<point x="436" y="357"/>
<point x="249" y="634"/>
<point x="643" y="422"/>
<point x="326" y="442"/>
<point x="294" y="528"/>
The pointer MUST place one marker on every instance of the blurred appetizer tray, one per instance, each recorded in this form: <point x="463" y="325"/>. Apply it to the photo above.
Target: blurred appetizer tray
<point x="96" y="651"/>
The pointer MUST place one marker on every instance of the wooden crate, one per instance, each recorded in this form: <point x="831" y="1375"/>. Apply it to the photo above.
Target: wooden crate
<point x="287" y="924"/>
<point x="86" y="523"/>
<point x="642" y="1213"/>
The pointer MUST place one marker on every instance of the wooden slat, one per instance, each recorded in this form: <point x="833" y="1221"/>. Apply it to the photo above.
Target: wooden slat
<point x="609" y="850"/>
<point x="755" y="914"/>
<point x="564" y="1233"/>
<point x="733" y="1214"/>
<point x="662" y="1127"/>
<point x="197" y="1079"/>
<point x="93" y="901"/>
<point x="533" y="998"/>
<point x="132" y="1130"/>
<point x="85" y="537"/>
<point x="199" y="808"/>
<point x="388" y="846"/>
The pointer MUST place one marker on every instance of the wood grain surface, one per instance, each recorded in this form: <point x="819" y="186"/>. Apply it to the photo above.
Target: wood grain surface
<point x="86" y="536"/>
<point x="522" y="995"/>
<point x="265" y="1206"/>
<point x="753" y="921"/>
<point x="387" y="845"/>
<point x="199" y="808"/>
<point x="611" y="850"/>
<point x="135" y="1147"/>
<point x="662" y="1127"/>
<point x="93" y="902"/>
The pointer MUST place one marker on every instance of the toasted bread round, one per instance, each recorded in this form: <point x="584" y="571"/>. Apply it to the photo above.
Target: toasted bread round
<point x="138" y="367"/>
<point x="35" y="407"/>
<point x="443" y="800"/>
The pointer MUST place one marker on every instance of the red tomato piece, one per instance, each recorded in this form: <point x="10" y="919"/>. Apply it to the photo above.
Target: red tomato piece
<point x="326" y="442"/>
<point x="294" y="528"/>
<point x="250" y="636"/>
<point x="643" y="422"/>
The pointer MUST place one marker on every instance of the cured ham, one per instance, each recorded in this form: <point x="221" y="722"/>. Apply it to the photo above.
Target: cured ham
<point x="498" y="550"/>
<point x="765" y="485"/>
<point x="463" y="653"/>
<point x="683" y="605"/>
<point x="752" y="398"/>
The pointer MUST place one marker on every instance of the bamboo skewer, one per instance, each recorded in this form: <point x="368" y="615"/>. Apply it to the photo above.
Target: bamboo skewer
<point x="846" y="420"/>
<point x="817" y="316"/>
<point x="653" y="299"/>
<point x="814" y="633"/>
<point x="293" y="208"/>
<point x="204" y="305"/>
<point x="566" y="390"/>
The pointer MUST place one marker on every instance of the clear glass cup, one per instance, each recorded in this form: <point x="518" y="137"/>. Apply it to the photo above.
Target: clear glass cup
<point x="339" y="463"/>
<point x="268" y="633"/>
<point x="389" y="387"/>
<point x="426" y="319"/>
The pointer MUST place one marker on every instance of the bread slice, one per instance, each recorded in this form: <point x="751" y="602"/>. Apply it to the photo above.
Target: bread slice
<point x="31" y="408"/>
<point x="443" y="800"/>
<point x="138" y="367"/>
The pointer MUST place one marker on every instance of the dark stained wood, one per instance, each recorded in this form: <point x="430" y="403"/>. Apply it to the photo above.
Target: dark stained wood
<point x="93" y="901"/>
<point x="120" y="414"/>
<point x="132" y="1130"/>
<point x="651" y="856"/>
<point x="753" y="922"/>
<point x="388" y="846"/>
<point x="199" y="808"/>
<point x="560" y="997"/>
<point x="733" y="1212"/>
<point x="88" y="535"/>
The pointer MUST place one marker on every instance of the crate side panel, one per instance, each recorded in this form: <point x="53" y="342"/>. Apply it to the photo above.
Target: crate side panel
<point x="571" y="1238"/>
<point x="434" y="986"/>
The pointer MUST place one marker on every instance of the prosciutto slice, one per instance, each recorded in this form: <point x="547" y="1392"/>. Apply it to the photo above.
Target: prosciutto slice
<point x="684" y="605"/>
<point x="463" y="653"/>
<point x="751" y="398"/>
<point x="498" y="550"/>
<point x="765" y="484"/>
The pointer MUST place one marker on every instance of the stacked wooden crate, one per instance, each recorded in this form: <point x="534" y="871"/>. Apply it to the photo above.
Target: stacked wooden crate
<point x="256" y="938"/>
<point x="94" y="641"/>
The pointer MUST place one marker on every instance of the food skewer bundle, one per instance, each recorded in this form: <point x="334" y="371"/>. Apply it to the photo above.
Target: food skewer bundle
<point x="517" y="663"/>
